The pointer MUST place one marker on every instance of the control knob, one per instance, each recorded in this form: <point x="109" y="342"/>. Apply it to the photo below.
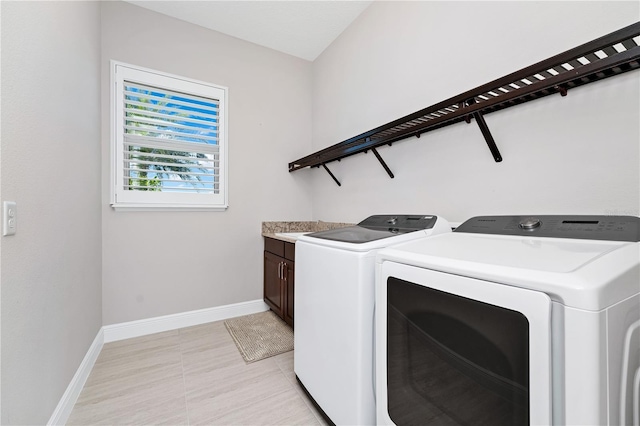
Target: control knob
<point x="529" y="223"/>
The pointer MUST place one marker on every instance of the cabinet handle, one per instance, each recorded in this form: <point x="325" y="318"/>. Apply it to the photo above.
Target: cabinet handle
<point x="284" y="276"/>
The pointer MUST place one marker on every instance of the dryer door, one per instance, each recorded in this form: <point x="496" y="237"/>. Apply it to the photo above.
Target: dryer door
<point x="453" y="350"/>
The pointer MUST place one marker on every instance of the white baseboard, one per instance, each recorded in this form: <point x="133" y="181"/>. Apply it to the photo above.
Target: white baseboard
<point x="127" y="330"/>
<point x="65" y="406"/>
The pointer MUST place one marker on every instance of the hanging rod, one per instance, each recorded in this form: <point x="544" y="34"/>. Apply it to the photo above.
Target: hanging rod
<point x="604" y="57"/>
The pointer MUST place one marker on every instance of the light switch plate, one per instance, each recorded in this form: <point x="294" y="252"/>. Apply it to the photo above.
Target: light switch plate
<point x="9" y="218"/>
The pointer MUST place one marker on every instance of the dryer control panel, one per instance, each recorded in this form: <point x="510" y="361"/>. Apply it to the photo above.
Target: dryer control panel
<point x="609" y="228"/>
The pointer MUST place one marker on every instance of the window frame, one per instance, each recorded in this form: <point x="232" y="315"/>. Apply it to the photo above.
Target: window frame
<point x="122" y="200"/>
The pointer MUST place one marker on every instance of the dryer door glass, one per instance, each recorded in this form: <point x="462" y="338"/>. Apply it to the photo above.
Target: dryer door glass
<point x="453" y="360"/>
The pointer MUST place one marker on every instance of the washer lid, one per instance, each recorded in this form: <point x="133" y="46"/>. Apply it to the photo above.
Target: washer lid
<point x="367" y="238"/>
<point x="356" y="234"/>
<point x="378" y="227"/>
<point x="526" y="253"/>
<point x="586" y="274"/>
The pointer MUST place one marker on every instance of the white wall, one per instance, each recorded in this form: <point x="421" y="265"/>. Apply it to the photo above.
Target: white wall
<point x="573" y="154"/>
<point x="51" y="269"/>
<point x="158" y="263"/>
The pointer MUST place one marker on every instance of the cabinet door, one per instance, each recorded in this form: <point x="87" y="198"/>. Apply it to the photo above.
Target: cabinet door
<point x="273" y="291"/>
<point x="289" y="284"/>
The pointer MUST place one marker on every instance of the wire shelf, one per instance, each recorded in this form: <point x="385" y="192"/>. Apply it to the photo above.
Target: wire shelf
<point x="605" y="57"/>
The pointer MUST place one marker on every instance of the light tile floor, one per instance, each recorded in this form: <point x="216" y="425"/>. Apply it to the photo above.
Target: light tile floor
<point x="191" y="376"/>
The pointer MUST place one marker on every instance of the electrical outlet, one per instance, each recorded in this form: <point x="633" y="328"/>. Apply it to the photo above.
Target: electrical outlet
<point x="10" y="218"/>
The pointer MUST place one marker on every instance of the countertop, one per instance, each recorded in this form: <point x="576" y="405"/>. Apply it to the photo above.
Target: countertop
<point x="269" y="229"/>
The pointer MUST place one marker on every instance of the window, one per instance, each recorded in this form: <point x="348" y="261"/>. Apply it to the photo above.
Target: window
<point x="169" y="141"/>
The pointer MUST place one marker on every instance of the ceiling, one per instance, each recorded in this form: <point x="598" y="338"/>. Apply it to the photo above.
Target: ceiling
<point x="299" y="28"/>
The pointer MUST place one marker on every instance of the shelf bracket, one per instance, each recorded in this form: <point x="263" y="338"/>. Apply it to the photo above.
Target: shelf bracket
<point x="485" y="131"/>
<point x="386" y="168"/>
<point x="562" y="90"/>
<point x="331" y="174"/>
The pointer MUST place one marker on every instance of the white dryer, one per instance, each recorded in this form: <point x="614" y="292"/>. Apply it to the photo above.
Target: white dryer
<point x="334" y="298"/>
<point x="511" y="320"/>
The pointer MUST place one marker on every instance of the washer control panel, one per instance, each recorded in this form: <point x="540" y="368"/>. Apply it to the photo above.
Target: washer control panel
<point x="400" y="221"/>
<point x="610" y="228"/>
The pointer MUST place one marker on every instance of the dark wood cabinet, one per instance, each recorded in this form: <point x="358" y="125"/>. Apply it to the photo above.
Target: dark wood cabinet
<point x="272" y="283"/>
<point x="279" y="268"/>
<point x="289" y="289"/>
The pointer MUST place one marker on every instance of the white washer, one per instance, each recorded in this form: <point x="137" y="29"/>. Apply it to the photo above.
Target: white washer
<point x="334" y="298"/>
<point x="511" y="320"/>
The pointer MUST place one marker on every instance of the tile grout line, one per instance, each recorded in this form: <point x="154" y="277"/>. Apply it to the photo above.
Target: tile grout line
<point x="294" y="384"/>
<point x="184" y="379"/>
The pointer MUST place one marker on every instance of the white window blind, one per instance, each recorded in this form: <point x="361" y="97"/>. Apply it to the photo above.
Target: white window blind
<point x="170" y="141"/>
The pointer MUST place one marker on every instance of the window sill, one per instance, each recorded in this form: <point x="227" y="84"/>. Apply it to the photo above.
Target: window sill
<point x="166" y="208"/>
